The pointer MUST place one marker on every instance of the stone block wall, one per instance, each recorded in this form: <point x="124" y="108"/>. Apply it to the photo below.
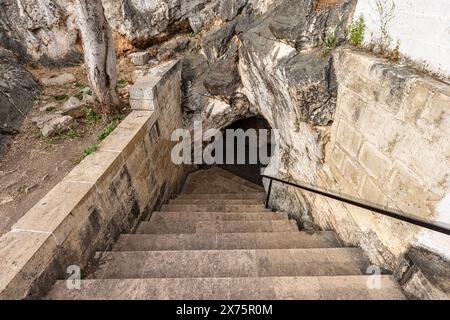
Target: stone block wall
<point x="125" y="180"/>
<point x="389" y="144"/>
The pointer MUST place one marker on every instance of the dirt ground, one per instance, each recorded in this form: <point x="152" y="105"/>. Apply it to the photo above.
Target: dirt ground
<point x="30" y="165"/>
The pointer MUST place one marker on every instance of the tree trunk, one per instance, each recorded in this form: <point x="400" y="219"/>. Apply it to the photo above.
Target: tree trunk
<point x="99" y="54"/>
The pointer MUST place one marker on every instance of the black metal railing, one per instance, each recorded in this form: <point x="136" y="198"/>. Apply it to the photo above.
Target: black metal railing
<point x="431" y="225"/>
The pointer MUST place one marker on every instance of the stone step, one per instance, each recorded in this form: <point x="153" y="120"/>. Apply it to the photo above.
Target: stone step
<point x="227" y="241"/>
<point x="228" y="175"/>
<point x="269" y="288"/>
<point x="165" y="217"/>
<point x="224" y="196"/>
<point x="213" y="208"/>
<point x="217" y="201"/>
<point x="230" y="263"/>
<point x="175" y="227"/>
<point x="206" y="182"/>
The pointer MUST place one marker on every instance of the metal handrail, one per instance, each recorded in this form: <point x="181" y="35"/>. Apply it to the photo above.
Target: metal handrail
<point x="435" y="226"/>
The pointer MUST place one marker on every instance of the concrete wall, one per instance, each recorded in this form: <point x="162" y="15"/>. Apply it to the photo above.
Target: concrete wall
<point x="421" y="27"/>
<point x="107" y="194"/>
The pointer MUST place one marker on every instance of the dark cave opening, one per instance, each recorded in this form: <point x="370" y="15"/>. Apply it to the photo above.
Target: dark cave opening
<point x="249" y="169"/>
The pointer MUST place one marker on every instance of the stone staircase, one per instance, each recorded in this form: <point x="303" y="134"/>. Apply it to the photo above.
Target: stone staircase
<point x="217" y="241"/>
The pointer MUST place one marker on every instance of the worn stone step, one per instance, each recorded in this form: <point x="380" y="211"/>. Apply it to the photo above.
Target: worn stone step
<point x="162" y="217"/>
<point x="208" y="182"/>
<point x="228" y="175"/>
<point x="175" y="227"/>
<point x="227" y="241"/>
<point x="213" y="208"/>
<point x="224" y="196"/>
<point x="220" y="202"/>
<point x="230" y="263"/>
<point x="269" y="288"/>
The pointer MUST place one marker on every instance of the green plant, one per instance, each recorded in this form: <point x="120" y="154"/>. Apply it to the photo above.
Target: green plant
<point x="79" y="95"/>
<point x="50" y="140"/>
<point x="91" y="116"/>
<point x="356" y="33"/>
<point x="60" y="97"/>
<point x="122" y="83"/>
<point x="80" y="85"/>
<point x="49" y="109"/>
<point x="329" y="42"/>
<point x="86" y="152"/>
<point x="71" y="134"/>
<point x="106" y="131"/>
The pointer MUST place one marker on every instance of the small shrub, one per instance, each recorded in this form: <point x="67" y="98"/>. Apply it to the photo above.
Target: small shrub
<point x="86" y="152"/>
<point x="79" y="95"/>
<point x="80" y="85"/>
<point x="356" y="33"/>
<point x="49" y="109"/>
<point x="71" y="134"/>
<point x="60" y="97"/>
<point x="91" y="116"/>
<point x="106" y="131"/>
<point x="122" y="83"/>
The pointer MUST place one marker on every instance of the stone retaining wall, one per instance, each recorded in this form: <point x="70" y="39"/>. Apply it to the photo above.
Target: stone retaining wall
<point x="389" y="144"/>
<point x="125" y="180"/>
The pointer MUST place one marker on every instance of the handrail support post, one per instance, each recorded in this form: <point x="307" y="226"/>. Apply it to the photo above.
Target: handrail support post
<point x="268" y="193"/>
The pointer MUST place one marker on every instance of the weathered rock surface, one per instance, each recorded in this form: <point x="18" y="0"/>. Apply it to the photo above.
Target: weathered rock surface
<point x="172" y="47"/>
<point x="74" y="107"/>
<point x="58" y="80"/>
<point x="17" y="90"/>
<point x="45" y="31"/>
<point x="40" y="30"/>
<point x="144" y="22"/>
<point x="223" y="77"/>
<point x="139" y="58"/>
<point x="56" y="125"/>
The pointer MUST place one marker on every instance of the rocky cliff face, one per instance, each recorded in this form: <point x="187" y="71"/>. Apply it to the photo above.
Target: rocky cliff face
<point x="17" y="90"/>
<point x="40" y="30"/>
<point x="45" y="30"/>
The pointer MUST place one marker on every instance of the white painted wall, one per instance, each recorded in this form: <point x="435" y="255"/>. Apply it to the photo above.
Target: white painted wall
<point x="436" y="242"/>
<point x="422" y="27"/>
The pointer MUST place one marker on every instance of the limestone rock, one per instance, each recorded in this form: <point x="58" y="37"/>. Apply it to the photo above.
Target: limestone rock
<point x="195" y="69"/>
<point x="74" y="107"/>
<point x="56" y="125"/>
<point x="223" y="78"/>
<point x="46" y="31"/>
<point x="17" y="90"/>
<point x="49" y="107"/>
<point x="216" y="41"/>
<point x="41" y="120"/>
<point x="42" y="31"/>
<point x="139" y="58"/>
<point x="169" y="49"/>
<point x="58" y="80"/>
<point x="6" y="200"/>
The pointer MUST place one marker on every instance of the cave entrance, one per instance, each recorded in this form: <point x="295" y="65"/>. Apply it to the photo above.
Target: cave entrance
<point x="256" y="153"/>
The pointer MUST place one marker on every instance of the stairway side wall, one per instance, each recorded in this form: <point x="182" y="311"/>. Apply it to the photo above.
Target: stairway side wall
<point x="128" y="177"/>
<point x="389" y="144"/>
